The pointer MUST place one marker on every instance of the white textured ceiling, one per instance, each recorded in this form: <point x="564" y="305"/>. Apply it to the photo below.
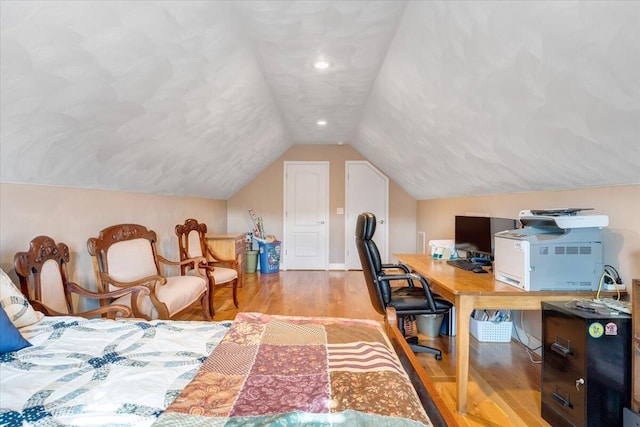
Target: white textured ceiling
<point x="195" y="98"/>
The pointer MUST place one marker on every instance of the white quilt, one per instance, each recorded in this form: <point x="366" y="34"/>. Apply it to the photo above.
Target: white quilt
<point x="101" y="372"/>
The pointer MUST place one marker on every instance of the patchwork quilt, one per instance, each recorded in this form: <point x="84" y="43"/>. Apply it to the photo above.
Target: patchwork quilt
<point x="100" y="372"/>
<point x="277" y="370"/>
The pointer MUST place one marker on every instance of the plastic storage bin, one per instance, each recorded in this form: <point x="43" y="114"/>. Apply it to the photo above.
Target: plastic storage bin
<point x="269" y="257"/>
<point x="485" y="331"/>
<point x="252" y="262"/>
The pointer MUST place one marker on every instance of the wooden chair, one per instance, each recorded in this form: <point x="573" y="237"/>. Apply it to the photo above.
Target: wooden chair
<point x="42" y="271"/>
<point x="192" y="243"/>
<point x="125" y="255"/>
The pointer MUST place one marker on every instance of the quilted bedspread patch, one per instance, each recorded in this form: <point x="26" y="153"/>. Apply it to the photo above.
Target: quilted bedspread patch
<point x="81" y="372"/>
<point x="298" y="370"/>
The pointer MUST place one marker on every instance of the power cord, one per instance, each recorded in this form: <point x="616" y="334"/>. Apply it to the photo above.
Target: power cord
<point x="613" y="275"/>
<point x="530" y="351"/>
<point x="615" y="280"/>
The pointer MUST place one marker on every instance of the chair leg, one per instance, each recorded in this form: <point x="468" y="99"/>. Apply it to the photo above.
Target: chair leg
<point x="414" y="345"/>
<point x="211" y="292"/>
<point x="235" y="293"/>
<point x="417" y="348"/>
<point x="206" y="308"/>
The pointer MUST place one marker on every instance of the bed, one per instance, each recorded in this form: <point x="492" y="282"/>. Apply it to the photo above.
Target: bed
<point x="101" y="372"/>
<point x="257" y="370"/>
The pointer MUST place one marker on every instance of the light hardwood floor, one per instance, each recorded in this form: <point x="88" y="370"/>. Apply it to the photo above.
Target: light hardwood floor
<point x="504" y="386"/>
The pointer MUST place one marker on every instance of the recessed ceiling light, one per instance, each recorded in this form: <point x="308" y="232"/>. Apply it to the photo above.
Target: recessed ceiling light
<point x="322" y="64"/>
<point x="321" y="122"/>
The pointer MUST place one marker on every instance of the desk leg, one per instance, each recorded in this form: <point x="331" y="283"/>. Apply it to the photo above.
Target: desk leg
<point x="464" y="307"/>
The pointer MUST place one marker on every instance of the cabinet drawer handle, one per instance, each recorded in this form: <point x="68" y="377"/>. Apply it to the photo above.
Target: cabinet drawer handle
<point x="560" y="349"/>
<point x="561" y="400"/>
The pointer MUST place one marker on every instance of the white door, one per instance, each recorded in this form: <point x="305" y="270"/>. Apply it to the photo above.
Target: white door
<point x="306" y="215"/>
<point x="367" y="190"/>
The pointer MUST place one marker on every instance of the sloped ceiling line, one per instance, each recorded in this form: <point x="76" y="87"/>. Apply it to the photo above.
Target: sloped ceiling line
<point x="196" y="98"/>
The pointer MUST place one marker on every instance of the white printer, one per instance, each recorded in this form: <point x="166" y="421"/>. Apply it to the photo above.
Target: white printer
<point x="557" y="249"/>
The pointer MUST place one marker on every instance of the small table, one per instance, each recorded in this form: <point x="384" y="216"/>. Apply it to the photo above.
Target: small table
<point x="469" y="291"/>
<point x="229" y="246"/>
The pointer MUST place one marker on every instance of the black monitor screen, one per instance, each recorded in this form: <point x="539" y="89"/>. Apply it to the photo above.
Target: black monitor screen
<point x="474" y="234"/>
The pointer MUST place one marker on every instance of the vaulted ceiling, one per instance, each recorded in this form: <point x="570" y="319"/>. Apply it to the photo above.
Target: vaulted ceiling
<point x="195" y="98"/>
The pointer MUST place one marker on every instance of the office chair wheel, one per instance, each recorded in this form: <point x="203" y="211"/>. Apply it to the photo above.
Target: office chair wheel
<point x="412" y="340"/>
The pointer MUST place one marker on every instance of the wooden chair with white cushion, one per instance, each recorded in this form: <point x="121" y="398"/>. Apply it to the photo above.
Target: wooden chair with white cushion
<point x="125" y="255"/>
<point x="192" y="243"/>
<point x="42" y="271"/>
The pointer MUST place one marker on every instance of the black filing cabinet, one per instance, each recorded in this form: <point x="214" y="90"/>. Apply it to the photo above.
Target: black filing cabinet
<point x="586" y="366"/>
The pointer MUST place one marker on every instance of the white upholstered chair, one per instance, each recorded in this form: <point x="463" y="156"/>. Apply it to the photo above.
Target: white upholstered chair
<point x="125" y="255"/>
<point x="192" y="243"/>
<point x="42" y="271"/>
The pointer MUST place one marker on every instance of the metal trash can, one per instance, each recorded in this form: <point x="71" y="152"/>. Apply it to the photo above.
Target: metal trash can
<point x="429" y="324"/>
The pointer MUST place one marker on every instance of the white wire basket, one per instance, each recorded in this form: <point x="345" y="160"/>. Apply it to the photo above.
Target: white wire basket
<point x="485" y="331"/>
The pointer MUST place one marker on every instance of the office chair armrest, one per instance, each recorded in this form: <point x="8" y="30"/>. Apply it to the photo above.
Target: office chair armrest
<point x="398" y="266"/>
<point x="402" y="267"/>
<point x="411" y="277"/>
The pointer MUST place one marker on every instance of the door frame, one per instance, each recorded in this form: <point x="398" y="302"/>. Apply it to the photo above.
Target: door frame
<point x="348" y="233"/>
<point x="327" y="215"/>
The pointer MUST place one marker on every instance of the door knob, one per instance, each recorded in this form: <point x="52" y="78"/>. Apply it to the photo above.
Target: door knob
<point x="381" y="221"/>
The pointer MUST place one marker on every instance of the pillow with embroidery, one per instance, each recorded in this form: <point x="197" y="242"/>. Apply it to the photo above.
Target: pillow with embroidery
<point x="15" y="304"/>
<point x="10" y="338"/>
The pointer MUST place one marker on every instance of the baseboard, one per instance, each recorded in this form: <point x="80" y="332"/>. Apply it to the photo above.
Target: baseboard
<point x="337" y="267"/>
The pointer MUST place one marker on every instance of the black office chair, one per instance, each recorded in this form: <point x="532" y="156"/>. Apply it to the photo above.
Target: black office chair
<point x="406" y="300"/>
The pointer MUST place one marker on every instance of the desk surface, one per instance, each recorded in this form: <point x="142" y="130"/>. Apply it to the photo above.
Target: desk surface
<point x="223" y="236"/>
<point x="457" y="281"/>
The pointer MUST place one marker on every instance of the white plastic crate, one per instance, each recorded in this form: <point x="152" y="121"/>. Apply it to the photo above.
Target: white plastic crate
<point x="485" y="331"/>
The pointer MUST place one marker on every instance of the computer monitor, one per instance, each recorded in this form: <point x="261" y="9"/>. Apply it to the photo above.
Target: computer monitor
<point x="475" y="234"/>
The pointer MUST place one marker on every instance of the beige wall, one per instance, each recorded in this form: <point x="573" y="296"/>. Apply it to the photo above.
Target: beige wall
<point x="73" y="215"/>
<point x="621" y="204"/>
<point x="621" y="237"/>
<point x="265" y="195"/>
<point x="402" y="226"/>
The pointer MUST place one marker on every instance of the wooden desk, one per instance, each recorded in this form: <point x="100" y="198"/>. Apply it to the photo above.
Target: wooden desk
<point x="229" y="246"/>
<point x="468" y="291"/>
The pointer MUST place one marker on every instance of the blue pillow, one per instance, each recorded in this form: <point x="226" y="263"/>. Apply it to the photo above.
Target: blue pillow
<point x="10" y="339"/>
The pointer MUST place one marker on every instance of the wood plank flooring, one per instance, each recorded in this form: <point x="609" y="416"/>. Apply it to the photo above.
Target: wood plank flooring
<point x="504" y="385"/>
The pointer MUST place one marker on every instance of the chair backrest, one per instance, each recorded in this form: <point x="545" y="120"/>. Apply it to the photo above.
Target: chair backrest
<point x="42" y="271"/>
<point x="126" y="252"/>
<point x="191" y="239"/>
<point x="370" y="260"/>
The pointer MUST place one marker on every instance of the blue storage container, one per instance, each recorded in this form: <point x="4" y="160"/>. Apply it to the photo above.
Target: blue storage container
<point x="269" y="257"/>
